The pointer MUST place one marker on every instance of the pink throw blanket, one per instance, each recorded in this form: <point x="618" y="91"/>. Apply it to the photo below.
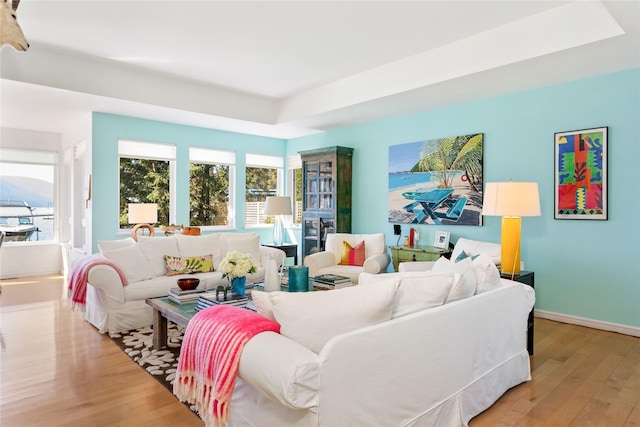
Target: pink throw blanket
<point x="210" y="356"/>
<point x="80" y="275"/>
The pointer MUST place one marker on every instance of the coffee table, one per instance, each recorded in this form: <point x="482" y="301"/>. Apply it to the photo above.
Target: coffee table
<point x="165" y="310"/>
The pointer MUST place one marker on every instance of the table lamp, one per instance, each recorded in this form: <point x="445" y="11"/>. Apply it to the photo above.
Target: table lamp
<point x="511" y="200"/>
<point x="143" y="215"/>
<point x="278" y="206"/>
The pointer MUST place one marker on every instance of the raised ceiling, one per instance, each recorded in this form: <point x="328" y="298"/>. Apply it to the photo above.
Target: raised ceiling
<point x="291" y="68"/>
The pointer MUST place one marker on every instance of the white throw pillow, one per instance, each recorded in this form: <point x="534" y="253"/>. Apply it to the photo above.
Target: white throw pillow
<point x="206" y="244"/>
<point x="313" y="318"/>
<point x="465" y="285"/>
<point x="248" y="245"/>
<point x="475" y="247"/>
<point x="263" y="304"/>
<point x="420" y="293"/>
<point x="131" y="261"/>
<point x="155" y="248"/>
<point x="106" y="245"/>
<point x="487" y="274"/>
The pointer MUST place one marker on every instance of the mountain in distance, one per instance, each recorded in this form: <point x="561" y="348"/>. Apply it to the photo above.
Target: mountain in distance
<point x="36" y="192"/>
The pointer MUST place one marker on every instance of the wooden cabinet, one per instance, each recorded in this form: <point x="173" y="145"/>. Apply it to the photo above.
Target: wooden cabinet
<point x="326" y="195"/>
<point x="415" y="253"/>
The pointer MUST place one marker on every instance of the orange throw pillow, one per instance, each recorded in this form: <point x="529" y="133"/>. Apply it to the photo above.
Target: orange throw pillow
<point x="352" y="255"/>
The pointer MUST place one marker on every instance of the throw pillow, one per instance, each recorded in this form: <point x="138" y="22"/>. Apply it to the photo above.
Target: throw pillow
<point x="352" y="255"/>
<point x="420" y="293"/>
<point x="263" y="304"/>
<point x="464" y="255"/>
<point x="248" y="245"/>
<point x="313" y="318"/>
<point x="199" y="245"/>
<point x="465" y="286"/>
<point x="188" y="265"/>
<point x="155" y="248"/>
<point x="107" y="245"/>
<point x="487" y="274"/>
<point x="131" y="261"/>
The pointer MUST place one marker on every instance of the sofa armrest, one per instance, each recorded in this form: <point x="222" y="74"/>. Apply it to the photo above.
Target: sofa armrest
<point x="319" y="260"/>
<point x="376" y="264"/>
<point x="107" y="278"/>
<point x="281" y="369"/>
<point x="267" y="251"/>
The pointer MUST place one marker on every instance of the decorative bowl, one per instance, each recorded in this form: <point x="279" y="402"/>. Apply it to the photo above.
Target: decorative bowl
<point x="188" y="284"/>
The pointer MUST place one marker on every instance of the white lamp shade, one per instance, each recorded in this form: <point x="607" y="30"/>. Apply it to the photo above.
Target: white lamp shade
<point x="511" y="199"/>
<point x="143" y="213"/>
<point x="278" y="205"/>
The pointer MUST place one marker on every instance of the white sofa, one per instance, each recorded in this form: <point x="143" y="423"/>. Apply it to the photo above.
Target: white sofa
<point x="414" y="362"/>
<point x="328" y="261"/>
<point x="112" y="307"/>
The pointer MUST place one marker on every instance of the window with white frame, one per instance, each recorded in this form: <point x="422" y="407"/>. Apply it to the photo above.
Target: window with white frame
<point x="211" y="187"/>
<point x="147" y="175"/>
<point x="27" y="195"/>
<point x="264" y="177"/>
<point x="294" y="186"/>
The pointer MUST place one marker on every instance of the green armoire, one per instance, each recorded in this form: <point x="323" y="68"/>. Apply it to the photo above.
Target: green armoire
<point x="326" y="195"/>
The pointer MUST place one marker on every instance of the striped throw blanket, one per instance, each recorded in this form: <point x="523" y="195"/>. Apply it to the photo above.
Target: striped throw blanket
<point x="80" y="275"/>
<point x="210" y="356"/>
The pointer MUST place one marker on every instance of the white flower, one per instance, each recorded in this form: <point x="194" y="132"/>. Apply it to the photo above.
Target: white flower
<point x="237" y="264"/>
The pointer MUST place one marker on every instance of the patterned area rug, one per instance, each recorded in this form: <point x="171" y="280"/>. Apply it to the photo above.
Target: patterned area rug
<point x="161" y="364"/>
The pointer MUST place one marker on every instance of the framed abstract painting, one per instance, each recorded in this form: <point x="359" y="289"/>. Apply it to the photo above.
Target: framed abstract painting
<point x="581" y="174"/>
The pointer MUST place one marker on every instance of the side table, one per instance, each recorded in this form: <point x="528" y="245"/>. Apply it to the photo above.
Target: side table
<point x="290" y="249"/>
<point x="527" y="278"/>
<point x="415" y="253"/>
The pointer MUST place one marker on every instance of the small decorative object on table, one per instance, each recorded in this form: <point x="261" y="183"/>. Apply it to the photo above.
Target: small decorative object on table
<point x="298" y="278"/>
<point x="187" y="284"/>
<point x="235" y="266"/>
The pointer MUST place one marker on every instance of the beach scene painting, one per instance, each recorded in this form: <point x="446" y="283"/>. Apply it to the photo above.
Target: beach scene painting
<point x="437" y="181"/>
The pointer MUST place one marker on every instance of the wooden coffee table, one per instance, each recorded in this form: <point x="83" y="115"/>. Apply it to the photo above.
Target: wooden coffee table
<point x="165" y="310"/>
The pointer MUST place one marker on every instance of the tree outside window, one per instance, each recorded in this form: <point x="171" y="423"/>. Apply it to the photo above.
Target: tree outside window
<point x="144" y="181"/>
<point x="209" y="194"/>
<point x="260" y="183"/>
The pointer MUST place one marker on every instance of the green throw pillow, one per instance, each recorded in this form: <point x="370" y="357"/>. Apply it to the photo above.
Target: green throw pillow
<point x="188" y="265"/>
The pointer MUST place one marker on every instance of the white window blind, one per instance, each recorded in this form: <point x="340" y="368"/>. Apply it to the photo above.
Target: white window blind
<point x="16" y="155"/>
<point x="205" y="155"/>
<point x="147" y="150"/>
<point x="264" y="161"/>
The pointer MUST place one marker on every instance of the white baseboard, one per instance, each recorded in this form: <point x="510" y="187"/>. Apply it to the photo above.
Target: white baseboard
<point x="589" y="323"/>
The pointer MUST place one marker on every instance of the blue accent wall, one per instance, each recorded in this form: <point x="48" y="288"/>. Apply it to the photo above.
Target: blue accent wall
<point x="588" y="269"/>
<point x="107" y="129"/>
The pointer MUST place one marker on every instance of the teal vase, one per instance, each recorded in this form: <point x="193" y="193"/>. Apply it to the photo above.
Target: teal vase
<point x="237" y="285"/>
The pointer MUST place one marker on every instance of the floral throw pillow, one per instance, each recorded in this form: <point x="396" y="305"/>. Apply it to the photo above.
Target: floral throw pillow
<point x="188" y="265"/>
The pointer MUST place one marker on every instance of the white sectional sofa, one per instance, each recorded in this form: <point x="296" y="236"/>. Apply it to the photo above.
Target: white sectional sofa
<point x="399" y="349"/>
<point x="112" y="307"/>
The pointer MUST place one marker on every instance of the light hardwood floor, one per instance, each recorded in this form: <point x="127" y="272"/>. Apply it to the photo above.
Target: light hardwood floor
<point x="57" y="370"/>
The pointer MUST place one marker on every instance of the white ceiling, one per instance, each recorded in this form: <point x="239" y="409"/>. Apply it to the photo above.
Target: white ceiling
<point x="290" y="68"/>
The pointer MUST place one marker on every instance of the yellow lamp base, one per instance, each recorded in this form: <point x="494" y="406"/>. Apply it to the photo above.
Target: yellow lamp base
<point x="511" y="244"/>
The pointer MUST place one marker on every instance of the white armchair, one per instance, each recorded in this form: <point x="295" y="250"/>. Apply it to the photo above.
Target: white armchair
<point x="328" y="262"/>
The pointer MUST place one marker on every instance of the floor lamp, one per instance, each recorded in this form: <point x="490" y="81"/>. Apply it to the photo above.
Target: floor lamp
<point x="278" y="206"/>
<point x="511" y="200"/>
<point x="143" y="215"/>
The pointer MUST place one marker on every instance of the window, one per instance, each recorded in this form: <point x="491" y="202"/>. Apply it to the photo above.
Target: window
<point x="211" y="189"/>
<point x="147" y="175"/>
<point x="28" y="194"/>
<point x="294" y="186"/>
<point x="264" y="178"/>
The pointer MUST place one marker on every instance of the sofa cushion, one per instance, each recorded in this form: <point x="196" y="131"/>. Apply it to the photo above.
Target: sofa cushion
<point x="188" y="265"/>
<point x="313" y="318"/>
<point x="207" y="244"/>
<point x="263" y="304"/>
<point x="352" y="255"/>
<point x="487" y="274"/>
<point x="154" y="250"/>
<point x="466" y="283"/>
<point x="131" y="261"/>
<point x="106" y="245"/>
<point x="248" y="245"/>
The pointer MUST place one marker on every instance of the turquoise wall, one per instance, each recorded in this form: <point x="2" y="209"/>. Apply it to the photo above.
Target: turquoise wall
<point x="108" y="128"/>
<point x="589" y="269"/>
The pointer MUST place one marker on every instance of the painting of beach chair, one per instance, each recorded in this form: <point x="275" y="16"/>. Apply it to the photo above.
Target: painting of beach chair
<point x="426" y="202"/>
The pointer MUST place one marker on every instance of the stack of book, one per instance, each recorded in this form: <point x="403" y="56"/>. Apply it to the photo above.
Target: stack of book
<point x="330" y="281"/>
<point x="209" y="299"/>
<point x="179" y="296"/>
